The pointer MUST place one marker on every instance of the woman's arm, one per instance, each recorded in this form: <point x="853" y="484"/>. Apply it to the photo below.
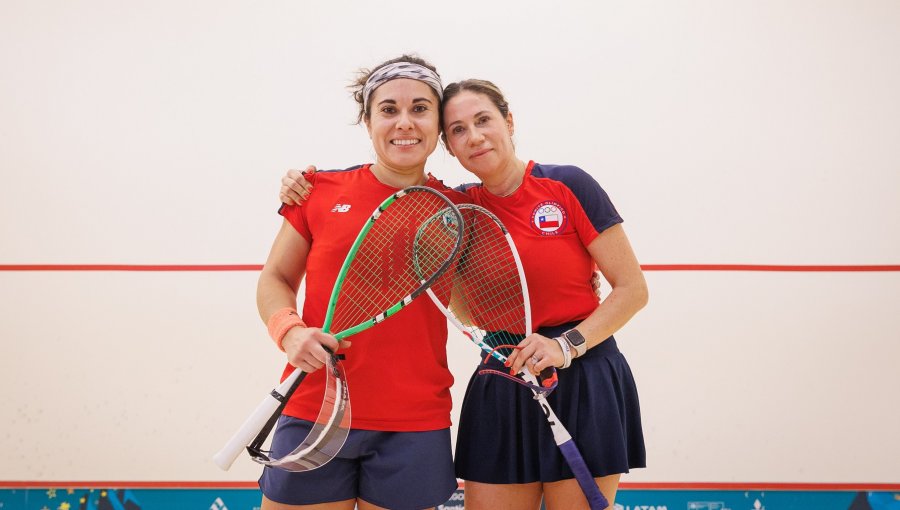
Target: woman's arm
<point x="613" y="254"/>
<point x="277" y="288"/>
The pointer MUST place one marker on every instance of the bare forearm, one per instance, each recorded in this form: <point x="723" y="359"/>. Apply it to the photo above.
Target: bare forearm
<point x="273" y="293"/>
<point x="613" y="254"/>
<point x="280" y="278"/>
<point x="615" y="311"/>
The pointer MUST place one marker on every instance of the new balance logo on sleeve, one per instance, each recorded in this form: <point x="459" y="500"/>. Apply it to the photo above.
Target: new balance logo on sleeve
<point x="340" y="208"/>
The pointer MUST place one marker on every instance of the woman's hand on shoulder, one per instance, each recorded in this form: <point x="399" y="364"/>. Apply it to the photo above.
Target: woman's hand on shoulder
<point x="597" y="284"/>
<point x="294" y="187"/>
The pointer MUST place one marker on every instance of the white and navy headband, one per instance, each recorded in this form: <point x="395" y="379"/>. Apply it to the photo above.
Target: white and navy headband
<point x="401" y="70"/>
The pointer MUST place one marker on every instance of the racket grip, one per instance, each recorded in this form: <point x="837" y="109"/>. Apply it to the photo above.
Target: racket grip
<point x="595" y="498"/>
<point x="253" y="424"/>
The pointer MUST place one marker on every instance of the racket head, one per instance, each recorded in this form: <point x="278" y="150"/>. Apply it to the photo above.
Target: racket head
<point x="485" y="293"/>
<point x="381" y="273"/>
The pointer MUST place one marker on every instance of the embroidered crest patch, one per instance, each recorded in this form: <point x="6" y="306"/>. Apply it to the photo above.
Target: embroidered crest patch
<point x="548" y="218"/>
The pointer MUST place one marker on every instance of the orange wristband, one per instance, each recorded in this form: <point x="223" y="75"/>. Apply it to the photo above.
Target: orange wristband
<point x="281" y="322"/>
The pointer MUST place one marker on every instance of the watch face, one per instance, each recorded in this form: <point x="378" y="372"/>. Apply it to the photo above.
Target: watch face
<point x="574" y="337"/>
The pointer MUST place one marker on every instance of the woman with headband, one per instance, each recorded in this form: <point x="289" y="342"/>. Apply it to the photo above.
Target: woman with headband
<point x="398" y="453"/>
<point x="563" y="223"/>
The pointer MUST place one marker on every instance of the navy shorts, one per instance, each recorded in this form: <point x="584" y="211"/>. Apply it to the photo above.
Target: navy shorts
<point x="390" y="469"/>
<point x="504" y="437"/>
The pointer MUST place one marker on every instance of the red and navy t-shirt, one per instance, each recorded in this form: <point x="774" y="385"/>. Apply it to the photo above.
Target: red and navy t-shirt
<point x="397" y="371"/>
<point x="552" y="217"/>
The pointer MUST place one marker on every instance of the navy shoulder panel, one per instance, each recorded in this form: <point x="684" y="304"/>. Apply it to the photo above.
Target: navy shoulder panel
<point x="593" y="199"/>
<point x="463" y="187"/>
<point x="354" y="167"/>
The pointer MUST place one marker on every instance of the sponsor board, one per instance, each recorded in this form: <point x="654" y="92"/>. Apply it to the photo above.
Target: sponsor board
<point x="75" y="498"/>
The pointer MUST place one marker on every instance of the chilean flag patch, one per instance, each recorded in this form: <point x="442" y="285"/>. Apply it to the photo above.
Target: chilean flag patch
<point x="549" y="221"/>
<point x="548" y="218"/>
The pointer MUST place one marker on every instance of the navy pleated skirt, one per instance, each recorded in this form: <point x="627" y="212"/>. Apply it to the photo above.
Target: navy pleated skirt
<point x="504" y="437"/>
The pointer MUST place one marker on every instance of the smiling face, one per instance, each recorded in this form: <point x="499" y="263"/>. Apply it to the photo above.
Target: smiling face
<point x="404" y="124"/>
<point x="478" y="135"/>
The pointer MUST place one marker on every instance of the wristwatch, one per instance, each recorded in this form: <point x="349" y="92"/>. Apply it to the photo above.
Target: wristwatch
<point x="576" y="342"/>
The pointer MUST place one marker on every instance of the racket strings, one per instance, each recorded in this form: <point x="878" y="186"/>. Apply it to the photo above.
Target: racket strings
<point x="486" y="294"/>
<point x="384" y="269"/>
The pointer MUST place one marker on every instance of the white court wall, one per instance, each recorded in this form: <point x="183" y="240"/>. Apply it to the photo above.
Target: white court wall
<point x="732" y="132"/>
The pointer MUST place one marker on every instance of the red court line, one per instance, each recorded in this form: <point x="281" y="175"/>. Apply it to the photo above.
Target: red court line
<point x="130" y="267"/>
<point x="126" y="485"/>
<point x="257" y="267"/>
<point x="768" y="267"/>
<point x="721" y="486"/>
